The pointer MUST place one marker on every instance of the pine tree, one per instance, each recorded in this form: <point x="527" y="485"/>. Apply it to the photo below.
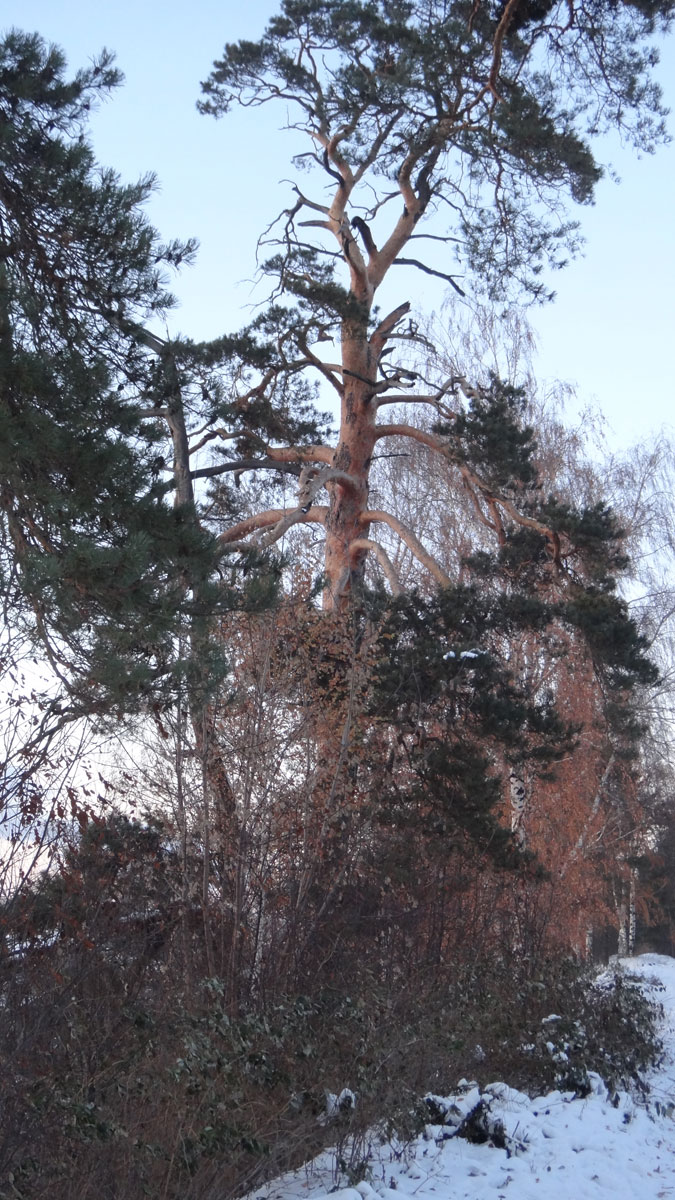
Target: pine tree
<point x="445" y="104"/>
<point x="466" y="130"/>
<point x="462" y="128"/>
<point x="426" y="106"/>
<point x="100" y="561"/>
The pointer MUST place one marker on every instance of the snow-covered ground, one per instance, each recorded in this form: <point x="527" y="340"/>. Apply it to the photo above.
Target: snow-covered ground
<point x="556" y="1147"/>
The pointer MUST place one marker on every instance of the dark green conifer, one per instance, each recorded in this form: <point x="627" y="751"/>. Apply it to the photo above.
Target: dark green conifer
<point x="98" y="561"/>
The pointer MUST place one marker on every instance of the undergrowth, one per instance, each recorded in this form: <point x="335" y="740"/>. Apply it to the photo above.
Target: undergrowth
<point x="185" y="1100"/>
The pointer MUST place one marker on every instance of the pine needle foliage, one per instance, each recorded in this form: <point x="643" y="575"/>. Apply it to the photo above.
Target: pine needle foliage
<point x="487" y="110"/>
<point x="97" y="562"/>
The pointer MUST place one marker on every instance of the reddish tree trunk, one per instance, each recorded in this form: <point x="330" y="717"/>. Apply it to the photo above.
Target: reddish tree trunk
<point x="353" y="454"/>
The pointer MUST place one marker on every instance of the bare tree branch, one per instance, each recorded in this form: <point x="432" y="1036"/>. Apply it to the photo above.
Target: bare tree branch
<point x="383" y="559"/>
<point x="412" y="542"/>
<point x="277" y="520"/>
<point x="246" y="464"/>
<point x="415" y="262"/>
<point x="385" y="328"/>
<point x="433" y="440"/>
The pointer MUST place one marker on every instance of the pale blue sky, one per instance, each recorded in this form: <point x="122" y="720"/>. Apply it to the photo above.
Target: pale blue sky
<point x="611" y="329"/>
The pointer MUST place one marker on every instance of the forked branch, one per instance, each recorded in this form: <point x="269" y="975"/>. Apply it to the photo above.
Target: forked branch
<point x="276" y="520"/>
<point x="384" y="560"/>
<point x="411" y="541"/>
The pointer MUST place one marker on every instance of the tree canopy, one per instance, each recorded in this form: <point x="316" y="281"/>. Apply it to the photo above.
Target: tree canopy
<point x="462" y="128"/>
<point x="97" y="561"/>
<point x="482" y="113"/>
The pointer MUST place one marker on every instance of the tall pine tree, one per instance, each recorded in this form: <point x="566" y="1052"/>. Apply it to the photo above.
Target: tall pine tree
<point x="104" y="558"/>
<point x="440" y="135"/>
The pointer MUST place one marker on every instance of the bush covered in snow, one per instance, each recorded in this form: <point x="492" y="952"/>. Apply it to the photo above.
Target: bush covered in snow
<point x="558" y="1025"/>
<point x="612" y="1034"/>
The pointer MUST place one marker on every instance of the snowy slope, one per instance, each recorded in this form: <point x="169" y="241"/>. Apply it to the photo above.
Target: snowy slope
<point x="556" y="1147"/>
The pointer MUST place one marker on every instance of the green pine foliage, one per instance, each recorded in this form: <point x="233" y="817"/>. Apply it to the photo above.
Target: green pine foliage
<point x="446" y="681"/>
<point x="571" y="581"/>
<point x="97" y="562"/>
<point x="490" y="435"/>
<point x="422" y="80"/>
<point x="443" y="684"/>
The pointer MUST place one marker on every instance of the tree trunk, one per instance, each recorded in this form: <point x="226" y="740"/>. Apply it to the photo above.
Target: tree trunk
<point x="353" y="454"/>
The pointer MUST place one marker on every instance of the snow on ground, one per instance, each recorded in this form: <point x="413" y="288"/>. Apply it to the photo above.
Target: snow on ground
<point x="557" y="1147"/>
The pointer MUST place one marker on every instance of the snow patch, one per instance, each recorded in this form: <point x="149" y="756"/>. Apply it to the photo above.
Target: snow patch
<point x="548" y="1148"/>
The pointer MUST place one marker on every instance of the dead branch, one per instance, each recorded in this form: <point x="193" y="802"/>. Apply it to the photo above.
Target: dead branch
<point x="432" y="440"/>
<point x="313" y="479"/>
<point x="415" y="262"/>
<point x="300" y="453"/>
<point x="362" y="227"/>
<point x="277" y="520"/>
<point x="223" y="434"/>
<point x="246" y="464"/>
<point x="325" y="368"/>
<point x="386" y="326"/>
